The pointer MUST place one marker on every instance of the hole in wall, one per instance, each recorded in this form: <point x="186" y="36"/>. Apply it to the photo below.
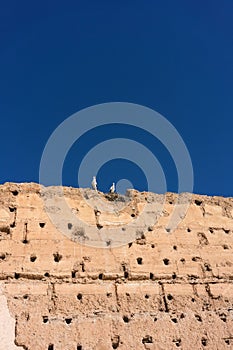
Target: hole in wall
<point x="204" y="341"/>
<point x="12" y="209"/>
<point x="175" y="247"/>
<point x="174" y="275"/>
<point x="174" y="320"/>
<point x="169" y="297"/>
<point x="226" y="230"/>
<point x="139" y="261"/>
<point x="79" y="347"/>
<point x="68" y="320"/>
<point x="69" y="225"/>
<point x="2" y="256"/>
<point x="196" y="258"/>
<point x="152" y="245"/>
<point x="15" y="193"/>
<point x="126" y="274"/>
<point x="147" y="339"/>
<point x="42" y="224"/>
<point x="73" y="274"/>
<point x="198" y="202"/>
<point x="57" y="257"/>
<point x="79" y="296"/>
<point x="223" y="317"/>
<point x="133" y="215"/>
<point x="225" y="246"/>
<point x="115" y="341"/>
<point x="198" y="318"/>
<point x="115" y="346"/>
<point x="100" y="276"/>
<point x="166" y="261"/>
<point x="16" y="275"/>
<point x="188" y="229"/>
<point x="151" y="276"/>
<point x="125" y="319"/>
<point x="51" y="347"/>
<point x="33" y="258"/>
<point x="46" y="274"/>
<point x="177" y="342"/>
<point x="108" y="242"/>
<point x="45" y="319"/>
<point x="147" y="296"/>
<point x="130" y="244"/>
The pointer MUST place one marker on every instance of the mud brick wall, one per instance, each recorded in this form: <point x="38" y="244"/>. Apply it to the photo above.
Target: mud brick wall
<point x="162" y="290"/>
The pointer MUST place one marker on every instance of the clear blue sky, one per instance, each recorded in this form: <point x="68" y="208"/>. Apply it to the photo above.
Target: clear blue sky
<point x="175" y="57"/>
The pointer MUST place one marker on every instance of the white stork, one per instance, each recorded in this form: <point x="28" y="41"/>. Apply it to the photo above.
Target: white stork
<point x="112" y="188"/>
<point x="94" y="183"/>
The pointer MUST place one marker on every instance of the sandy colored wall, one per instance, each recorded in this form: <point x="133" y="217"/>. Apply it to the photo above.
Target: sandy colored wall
<point x="162" y="290"/>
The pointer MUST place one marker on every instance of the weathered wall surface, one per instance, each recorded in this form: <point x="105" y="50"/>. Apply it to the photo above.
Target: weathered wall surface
<point x="164" y="290"/>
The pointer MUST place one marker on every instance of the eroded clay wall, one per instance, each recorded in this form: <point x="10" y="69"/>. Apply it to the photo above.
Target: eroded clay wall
<point x="162" y="290"/>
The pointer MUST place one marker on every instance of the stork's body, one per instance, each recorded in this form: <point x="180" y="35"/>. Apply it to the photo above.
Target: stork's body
<point x="112" y="188"/>
<point x="94" y="183"/>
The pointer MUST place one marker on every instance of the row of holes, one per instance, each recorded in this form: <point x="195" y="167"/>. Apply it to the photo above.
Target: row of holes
<point x="47" y="274"/>
<point x="169" y="297"/>
<point x="211" y="230"/>
<point x="42" y="225"/>
<point x="126" y="319"/>
<point x="148" y="340"/>
<point x="126" y="275"/>
<point x="147" y="296"/>
<point x="73" y="274"/>
<point x="67" y="320"/>
<point x="166" y="261"/>
<point x="57" y="257"/>
<point x="197" y="202"/>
